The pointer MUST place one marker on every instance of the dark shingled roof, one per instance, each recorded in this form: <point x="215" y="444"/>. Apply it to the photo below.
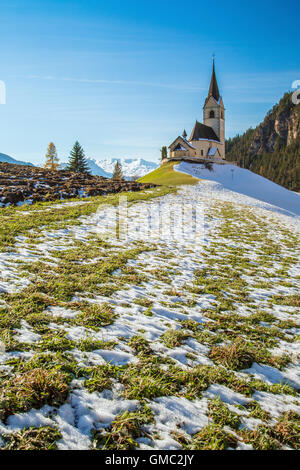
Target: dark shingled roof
<point x="201" y="131"/>
<point x="214" y="89"/>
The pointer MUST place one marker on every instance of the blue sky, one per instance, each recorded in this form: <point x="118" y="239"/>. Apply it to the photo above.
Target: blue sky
<point x="124" y="77"/>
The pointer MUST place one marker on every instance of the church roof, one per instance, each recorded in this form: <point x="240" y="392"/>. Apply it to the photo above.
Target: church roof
<point x="183" y="140"/>
<point x="214" y="89"/>
<point x="201" y="131"/>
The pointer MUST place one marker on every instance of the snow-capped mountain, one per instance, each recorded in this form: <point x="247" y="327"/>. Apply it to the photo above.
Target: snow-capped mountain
<point x="95" y="169"/>
<point x="7" y="159"/>
<point x="130" y="166"/>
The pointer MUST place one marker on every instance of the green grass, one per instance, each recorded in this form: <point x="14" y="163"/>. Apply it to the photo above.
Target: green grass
<point x="101" y="378"/>
<point x="123" y="431"/>
<point x="43" y="438"/>
<point x="286" y="431"/>
<point x="33" y="389"/>
<point x="221" y="415"/>
<point x="165" y="175"/>
<point x="174" y="338"/>
<point x="212" y="437"/>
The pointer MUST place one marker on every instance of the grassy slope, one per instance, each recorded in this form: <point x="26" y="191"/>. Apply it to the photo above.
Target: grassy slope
<point x="16" y="221"/>
<point x="233" y="341"/>
<point x="165" y="175"/>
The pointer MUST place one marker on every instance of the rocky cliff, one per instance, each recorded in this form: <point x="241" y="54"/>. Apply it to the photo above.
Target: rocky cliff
<point x="272" y="149"/>
<point x="282" y="123"/>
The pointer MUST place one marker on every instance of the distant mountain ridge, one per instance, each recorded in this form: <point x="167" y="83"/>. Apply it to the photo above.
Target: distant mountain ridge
<point x="272" y="149"/>
<point x="131" y="167"/>
<point x="7" y="159"/>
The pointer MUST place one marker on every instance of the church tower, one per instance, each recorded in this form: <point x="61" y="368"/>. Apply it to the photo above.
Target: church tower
<point x="214" y="111"/>
<point x="207" y="139"/>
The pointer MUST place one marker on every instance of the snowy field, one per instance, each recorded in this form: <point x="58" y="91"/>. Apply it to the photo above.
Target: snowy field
<point x="239" y="180"/>
<point x="160" y="340"/>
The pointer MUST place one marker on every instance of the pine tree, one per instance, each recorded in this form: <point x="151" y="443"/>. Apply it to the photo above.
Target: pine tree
<point x="77" y="160"/>
<point x="164" y="152"/>
<point x="118" y="174"/>
<point x="52" y="161"/>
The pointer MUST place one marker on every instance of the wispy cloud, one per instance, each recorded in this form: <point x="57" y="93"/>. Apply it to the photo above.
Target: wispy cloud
<point x="173" y="86"/>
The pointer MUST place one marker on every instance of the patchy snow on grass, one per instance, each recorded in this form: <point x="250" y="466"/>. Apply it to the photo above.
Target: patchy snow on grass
<point x="173" y="413"/>
<point x="174" y="303"/>
<point x="226" y="395"/>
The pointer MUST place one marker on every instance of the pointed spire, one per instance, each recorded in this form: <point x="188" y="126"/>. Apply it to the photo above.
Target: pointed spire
<point x="214" y="89"/>
<point x="184" y="134"/>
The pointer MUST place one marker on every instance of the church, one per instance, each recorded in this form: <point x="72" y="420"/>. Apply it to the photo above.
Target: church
<point x="207" y="140"/>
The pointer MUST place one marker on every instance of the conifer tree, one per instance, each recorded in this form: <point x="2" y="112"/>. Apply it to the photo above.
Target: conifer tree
<point x="77" y="160"/>
<point x="52" y="161"/>
<point x="164" y="152"/>
<point x="118" y="174"/>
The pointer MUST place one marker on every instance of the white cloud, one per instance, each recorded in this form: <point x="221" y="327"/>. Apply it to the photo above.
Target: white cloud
<point x="119" y="82"/>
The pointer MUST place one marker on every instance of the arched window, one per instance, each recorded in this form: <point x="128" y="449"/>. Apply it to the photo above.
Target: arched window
<point x="211" y="114"/>
<point x="222" y="115"/>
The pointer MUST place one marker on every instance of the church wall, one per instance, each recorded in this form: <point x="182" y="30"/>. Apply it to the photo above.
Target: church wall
<point x="212" y="122"/>
<point x="217" y="123"/>
<point x="205" y="145"/>
<point x="182" y="153"/>
<point x="201" y="149"/>
<point x="222" y="132"/>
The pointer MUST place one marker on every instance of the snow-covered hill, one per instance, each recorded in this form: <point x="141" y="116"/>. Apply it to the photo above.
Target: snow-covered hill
<point x="7" y="159"/>
<point x="242" y="181"/>
<point x="130" y="166"/>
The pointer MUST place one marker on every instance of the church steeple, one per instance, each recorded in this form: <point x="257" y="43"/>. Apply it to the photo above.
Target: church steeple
<point x="213" y="111"/>
<point x="207" y="140"/>
<point x="214" y="89"/>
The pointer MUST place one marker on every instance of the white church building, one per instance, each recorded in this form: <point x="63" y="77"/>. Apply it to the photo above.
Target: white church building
<point x="207" y="140"/>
